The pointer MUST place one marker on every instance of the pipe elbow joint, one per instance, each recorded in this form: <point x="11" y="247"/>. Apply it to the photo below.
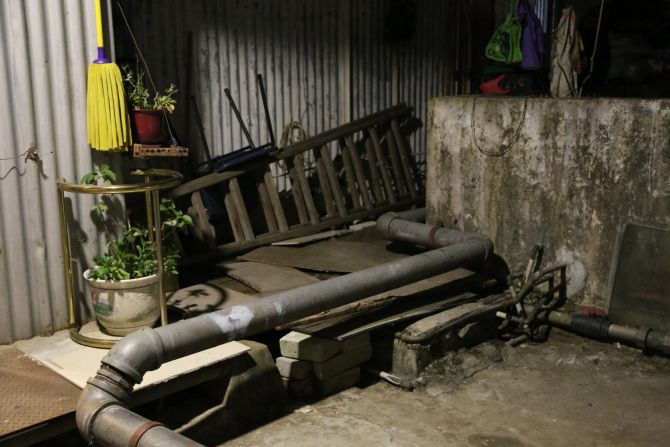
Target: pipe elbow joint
<point x="135" y="354"/>
<point x="486" y="242"/>
<point x="96" y="396"/>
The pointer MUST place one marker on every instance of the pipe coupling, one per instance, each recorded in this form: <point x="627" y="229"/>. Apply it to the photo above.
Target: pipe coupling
<point x="99" y="394"/>
<point x="384" y="223"/>
<point x="136" y="353"/>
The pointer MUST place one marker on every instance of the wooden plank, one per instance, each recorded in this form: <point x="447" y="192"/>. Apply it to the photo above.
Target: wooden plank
<point x="328" y="256"/>
<point x="266" y="278"/>
<point x="203" y="231"/>
<point x="277" y="207"/>
<point x="235" y="224"/>
<point x="404" y="153"/>
<point x="241" y="209"/>
<point x="374" y="119"/>
<point x="375" y="179"/>
<point x="395" y="163"/>
<point x="266" y="205"/>
<point x="79" y="366"/>
<point x="437" y="282"/>
<point x="219" y="177"/>
<point x="328" y="199"/>
<point x="296" y="190"/>
<point x="332" y="179"/>
<point x="381" y="164"/>
<point x="299" y="166"/>
<point x="313" y="237"/>
<point x="156" y="150"/>
<point x="349" y="175"/>
<point x="358" y="171"/>
<point x="232" y="248"/>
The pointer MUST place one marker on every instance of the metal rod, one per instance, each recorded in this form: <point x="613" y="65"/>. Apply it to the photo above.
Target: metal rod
<point x="67" y="260"/>
<point x="158" y="240"/>
<point x="170" y="179"/>
<point x="149" y="208"/>
<point x="201" y="130"/>
<point x="268" y="120"/>
<point x="233" y="106"/>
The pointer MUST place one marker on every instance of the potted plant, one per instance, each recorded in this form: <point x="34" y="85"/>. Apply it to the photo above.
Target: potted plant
<point x="147" y="111"/>
<point x="124" y="280"/>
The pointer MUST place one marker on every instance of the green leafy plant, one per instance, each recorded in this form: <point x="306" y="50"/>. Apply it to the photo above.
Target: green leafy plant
<point x="139" y="95"/>
<point x="170" y="215"/>
<point x="102" y="175"/>
<point x="132" y="254"/>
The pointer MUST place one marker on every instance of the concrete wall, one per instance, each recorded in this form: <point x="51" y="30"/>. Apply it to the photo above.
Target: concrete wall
<point x="577" y="168"/>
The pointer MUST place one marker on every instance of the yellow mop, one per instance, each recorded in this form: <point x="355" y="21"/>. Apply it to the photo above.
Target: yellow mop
<point x="106" y="114"/>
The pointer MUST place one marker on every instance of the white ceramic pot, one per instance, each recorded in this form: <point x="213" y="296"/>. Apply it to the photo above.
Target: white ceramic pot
<point x="124" y="306"/>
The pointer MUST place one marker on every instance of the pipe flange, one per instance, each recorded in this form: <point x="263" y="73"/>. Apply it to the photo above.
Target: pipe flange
<point x="384" y="223"/>
<point x="666" y="344"/>
<point x="641" y="337"/>
<point x="109" y="387"/>
<point x="141" y="430"/>
<point x="431" y="235"/>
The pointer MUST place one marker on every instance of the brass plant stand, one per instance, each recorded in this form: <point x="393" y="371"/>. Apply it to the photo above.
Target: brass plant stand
<point x="150" y="188"/>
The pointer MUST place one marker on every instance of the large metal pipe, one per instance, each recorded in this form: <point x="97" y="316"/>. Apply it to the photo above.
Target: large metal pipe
<point x="603" y="329"/>
<point x="101" y="413"/>
<point x="393" y="226"/>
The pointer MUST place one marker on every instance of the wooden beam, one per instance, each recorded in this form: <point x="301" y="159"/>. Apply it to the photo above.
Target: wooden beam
<point x="242" y="246"/>
<point x="241" y="209"/>
<point x="358" y="172"/>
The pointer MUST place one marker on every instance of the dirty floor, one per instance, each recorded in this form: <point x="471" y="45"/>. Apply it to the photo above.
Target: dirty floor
<point x="566" y="392"/>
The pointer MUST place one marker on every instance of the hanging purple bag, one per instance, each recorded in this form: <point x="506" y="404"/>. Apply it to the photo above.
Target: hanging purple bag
<point x="532" y="36"/>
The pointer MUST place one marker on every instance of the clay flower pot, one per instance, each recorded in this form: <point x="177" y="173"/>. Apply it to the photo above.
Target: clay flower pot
<point x="148" y="125"/>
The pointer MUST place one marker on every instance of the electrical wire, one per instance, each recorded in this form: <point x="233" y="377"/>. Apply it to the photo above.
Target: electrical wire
<point x="30" y="154"/>
<point x="503" y="148"/>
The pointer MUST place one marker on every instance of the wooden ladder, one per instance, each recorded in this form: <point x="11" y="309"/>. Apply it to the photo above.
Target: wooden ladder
<point x="359" y="170"/>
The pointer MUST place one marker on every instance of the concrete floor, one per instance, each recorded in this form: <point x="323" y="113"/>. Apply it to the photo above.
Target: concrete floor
<point x="566" y="392"/>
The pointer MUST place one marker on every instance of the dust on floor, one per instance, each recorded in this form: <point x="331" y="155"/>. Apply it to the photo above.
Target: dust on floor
<point x="566" y="392"/>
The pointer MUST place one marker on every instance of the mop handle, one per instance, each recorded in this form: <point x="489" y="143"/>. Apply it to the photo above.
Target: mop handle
<point x="98" y="27"/>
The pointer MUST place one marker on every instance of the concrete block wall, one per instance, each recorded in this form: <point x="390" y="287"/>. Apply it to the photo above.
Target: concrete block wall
<point x="574" y="169"/>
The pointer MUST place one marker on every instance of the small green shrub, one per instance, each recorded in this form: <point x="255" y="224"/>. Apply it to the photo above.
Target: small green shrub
<point x="132" y="255"/>
<point x="139" y="96"/>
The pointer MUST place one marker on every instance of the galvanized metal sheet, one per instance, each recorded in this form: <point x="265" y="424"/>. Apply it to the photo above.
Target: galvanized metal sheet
<point x="293" y="44"/>
<point x="45" y="48"/>
<point x="432" y="62"/>
<point x="308" y="51"/>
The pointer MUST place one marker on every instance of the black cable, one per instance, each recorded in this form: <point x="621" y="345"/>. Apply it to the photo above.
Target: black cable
<point x="503" y="148"/>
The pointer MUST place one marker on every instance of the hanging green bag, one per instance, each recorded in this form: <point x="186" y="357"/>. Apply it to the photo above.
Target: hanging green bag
<point x="505" y="45"/>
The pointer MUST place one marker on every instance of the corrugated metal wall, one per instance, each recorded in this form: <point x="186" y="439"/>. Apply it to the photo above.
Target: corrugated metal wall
<point x="309" y="52"/>
<point x="430" y="63"/>
<point x="298" y="46"/>
<point x="293" y="44"/>
<point x="45" y="47"/>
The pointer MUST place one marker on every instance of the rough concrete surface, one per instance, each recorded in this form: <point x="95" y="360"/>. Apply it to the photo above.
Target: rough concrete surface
<point x="566" y="392"/>
<point x="574" y="169"/>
